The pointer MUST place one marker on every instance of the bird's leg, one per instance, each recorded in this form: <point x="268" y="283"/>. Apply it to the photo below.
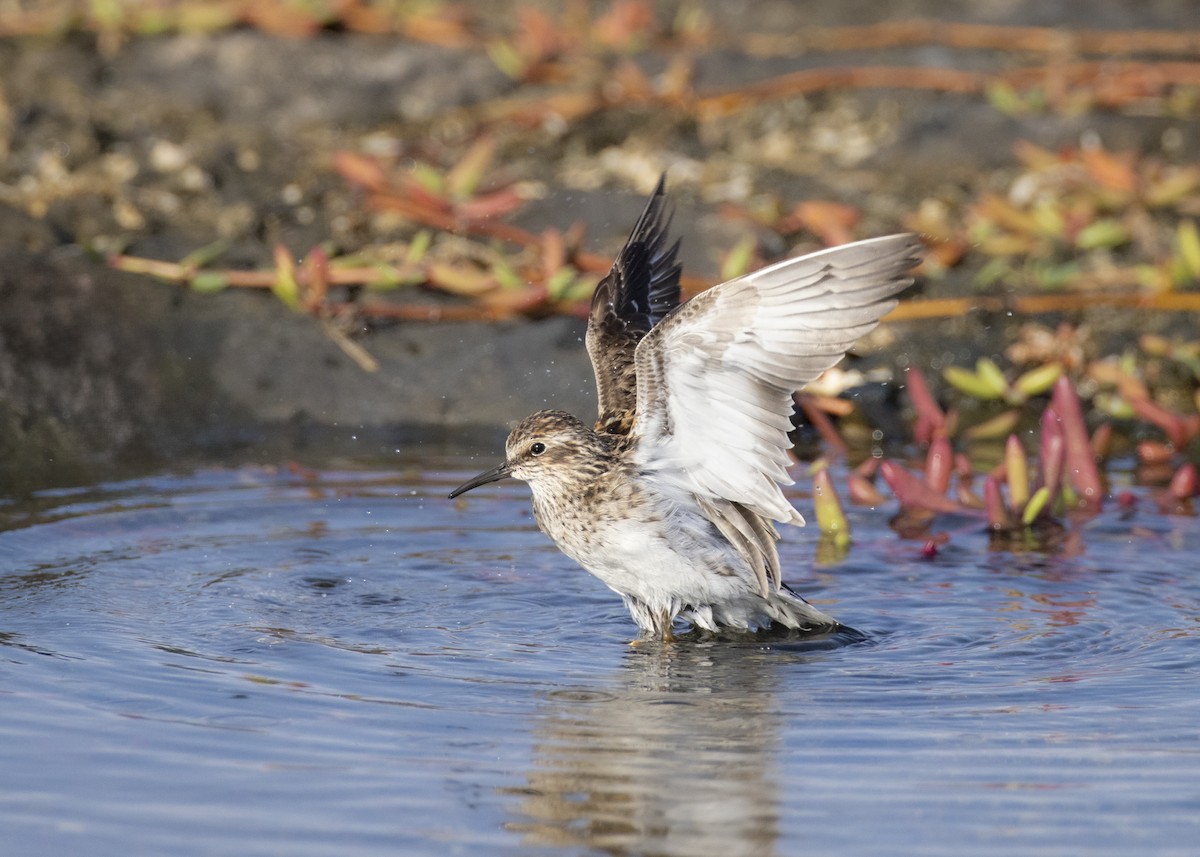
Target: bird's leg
<point x="663" y="624"/>
<point x="660" y="630"/>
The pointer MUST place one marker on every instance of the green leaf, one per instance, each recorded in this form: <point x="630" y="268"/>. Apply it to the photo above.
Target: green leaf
<point x="1005" y="98"/>
<point x="429" y="178"/>
<point x="1035" y="505"/>
<point x="990" y="374"/>
<point x="1016" y="469"/>
<point x="738" y="260"/>
<point x="506" y="275"/>
<point x="388" y="277"/>
<point x="996" y="427"/>
<point x="1102" y="233"/>
<point x="993" y="272"/>
<point x="418" y="247"/>
<point x="507" y="58"/>
<point x="208" y="282"/>
<point x="966" y="381"/>
<point x="560" y="282"/>
<point x="1039" y="380"/>
<point x="580" y="290"/>
<point x="285" y="286"/>
<point x="1049" y="220"/>
<point x="1188" y="238"/>
<point x="831" y="518"/>
<point x="1055" y="277"/>
<point x="205" y="255"/>
<point x="106" y="13"/>
<point x="464" y="177"/>
<point x="1178" y="271"/>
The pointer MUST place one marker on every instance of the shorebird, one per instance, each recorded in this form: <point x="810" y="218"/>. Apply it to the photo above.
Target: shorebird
<point x="671" y="497"/>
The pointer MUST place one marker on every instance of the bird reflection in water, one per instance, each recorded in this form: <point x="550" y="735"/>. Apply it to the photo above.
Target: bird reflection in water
<point x="674" y="756"/>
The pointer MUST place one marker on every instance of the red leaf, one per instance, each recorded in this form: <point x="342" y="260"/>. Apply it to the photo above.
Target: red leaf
<point x="494" y="204"/>
<point x="1054" y="451"/>
<point x="993" y="504"/>
<point x="1081" y="464"/>
<point x="939" y="464"/>
<point x="360" y="170"/>
<point x="911" y="491"/>
<point x="931" y="420"/>
<point x="1109" y="170"/>
<point x="1153" y="452"/>
<point x="1172" y="424"/>
<point x="863" y="493"/>
<point x="832" y="222"/>
<point x="1183" y="483"/>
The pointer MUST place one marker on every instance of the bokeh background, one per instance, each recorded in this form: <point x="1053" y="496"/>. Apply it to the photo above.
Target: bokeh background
<point x="232" y="225"/>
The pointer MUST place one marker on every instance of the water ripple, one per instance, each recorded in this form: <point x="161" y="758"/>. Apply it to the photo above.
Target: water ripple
<point x="344" y="661"/>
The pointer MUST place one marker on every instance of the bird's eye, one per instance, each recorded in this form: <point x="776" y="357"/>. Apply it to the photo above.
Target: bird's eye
<point x="537" y="448"/>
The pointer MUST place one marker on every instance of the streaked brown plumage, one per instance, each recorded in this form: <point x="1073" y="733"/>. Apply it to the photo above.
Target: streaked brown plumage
<point x="671" y="500"/>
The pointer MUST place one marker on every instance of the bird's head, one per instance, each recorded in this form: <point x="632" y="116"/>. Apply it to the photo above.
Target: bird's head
<point x="546" y="449"/>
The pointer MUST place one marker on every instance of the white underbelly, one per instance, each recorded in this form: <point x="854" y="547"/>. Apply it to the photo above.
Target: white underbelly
<point x="657" y="565"/>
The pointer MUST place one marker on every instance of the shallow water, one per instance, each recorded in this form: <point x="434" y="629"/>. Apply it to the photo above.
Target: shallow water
<point x="254" y="662"/>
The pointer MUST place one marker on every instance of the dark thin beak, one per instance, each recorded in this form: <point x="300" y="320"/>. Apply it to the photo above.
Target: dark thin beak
<point x="500" y="471"/>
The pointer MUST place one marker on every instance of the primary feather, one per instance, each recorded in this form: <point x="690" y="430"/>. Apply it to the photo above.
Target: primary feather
<point x="641" y="288"/>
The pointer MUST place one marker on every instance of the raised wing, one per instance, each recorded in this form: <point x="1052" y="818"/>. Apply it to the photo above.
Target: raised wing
<point x="639" y="291"/>
<point x="715" y="378"/>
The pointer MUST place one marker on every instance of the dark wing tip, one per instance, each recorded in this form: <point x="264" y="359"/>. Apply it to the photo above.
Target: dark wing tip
<point x="641" y="289"/>
<point x="643" y="285"/>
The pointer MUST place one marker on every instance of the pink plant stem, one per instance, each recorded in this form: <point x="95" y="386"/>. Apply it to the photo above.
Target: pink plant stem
<point x="913" y="492"/>
<point x="931" y="420"/>
<point x="993" y="504"/>
<point x="939" y="464"/>
<point x="1053" y="452"/>
<point x="1081" y="463"/>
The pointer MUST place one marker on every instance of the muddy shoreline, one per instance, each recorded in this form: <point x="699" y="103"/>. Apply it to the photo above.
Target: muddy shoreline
<point x="177" y="141"/>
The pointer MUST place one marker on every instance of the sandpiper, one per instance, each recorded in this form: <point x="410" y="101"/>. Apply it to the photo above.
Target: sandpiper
<point x="671" y="497"/>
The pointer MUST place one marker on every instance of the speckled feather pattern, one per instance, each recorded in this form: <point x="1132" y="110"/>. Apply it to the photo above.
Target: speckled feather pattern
<point x="639" y="291"/>
<point x="666" y="560"/>
<point x="671" y="499"/>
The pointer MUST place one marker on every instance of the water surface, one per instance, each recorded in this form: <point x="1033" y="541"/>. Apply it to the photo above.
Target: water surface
<point x="265" y="661"/>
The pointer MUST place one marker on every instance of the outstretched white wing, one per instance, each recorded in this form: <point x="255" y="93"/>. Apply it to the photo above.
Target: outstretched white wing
<point x="715" y="378"/>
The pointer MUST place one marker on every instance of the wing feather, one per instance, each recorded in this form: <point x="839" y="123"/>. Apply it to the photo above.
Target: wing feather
<point x="639" y="291"/>
<point x="752" y="536"/>
<point x="715" y="378"/>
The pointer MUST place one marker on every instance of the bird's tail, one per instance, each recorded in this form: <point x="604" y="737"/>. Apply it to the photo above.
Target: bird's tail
<point x="790" y="610"/>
